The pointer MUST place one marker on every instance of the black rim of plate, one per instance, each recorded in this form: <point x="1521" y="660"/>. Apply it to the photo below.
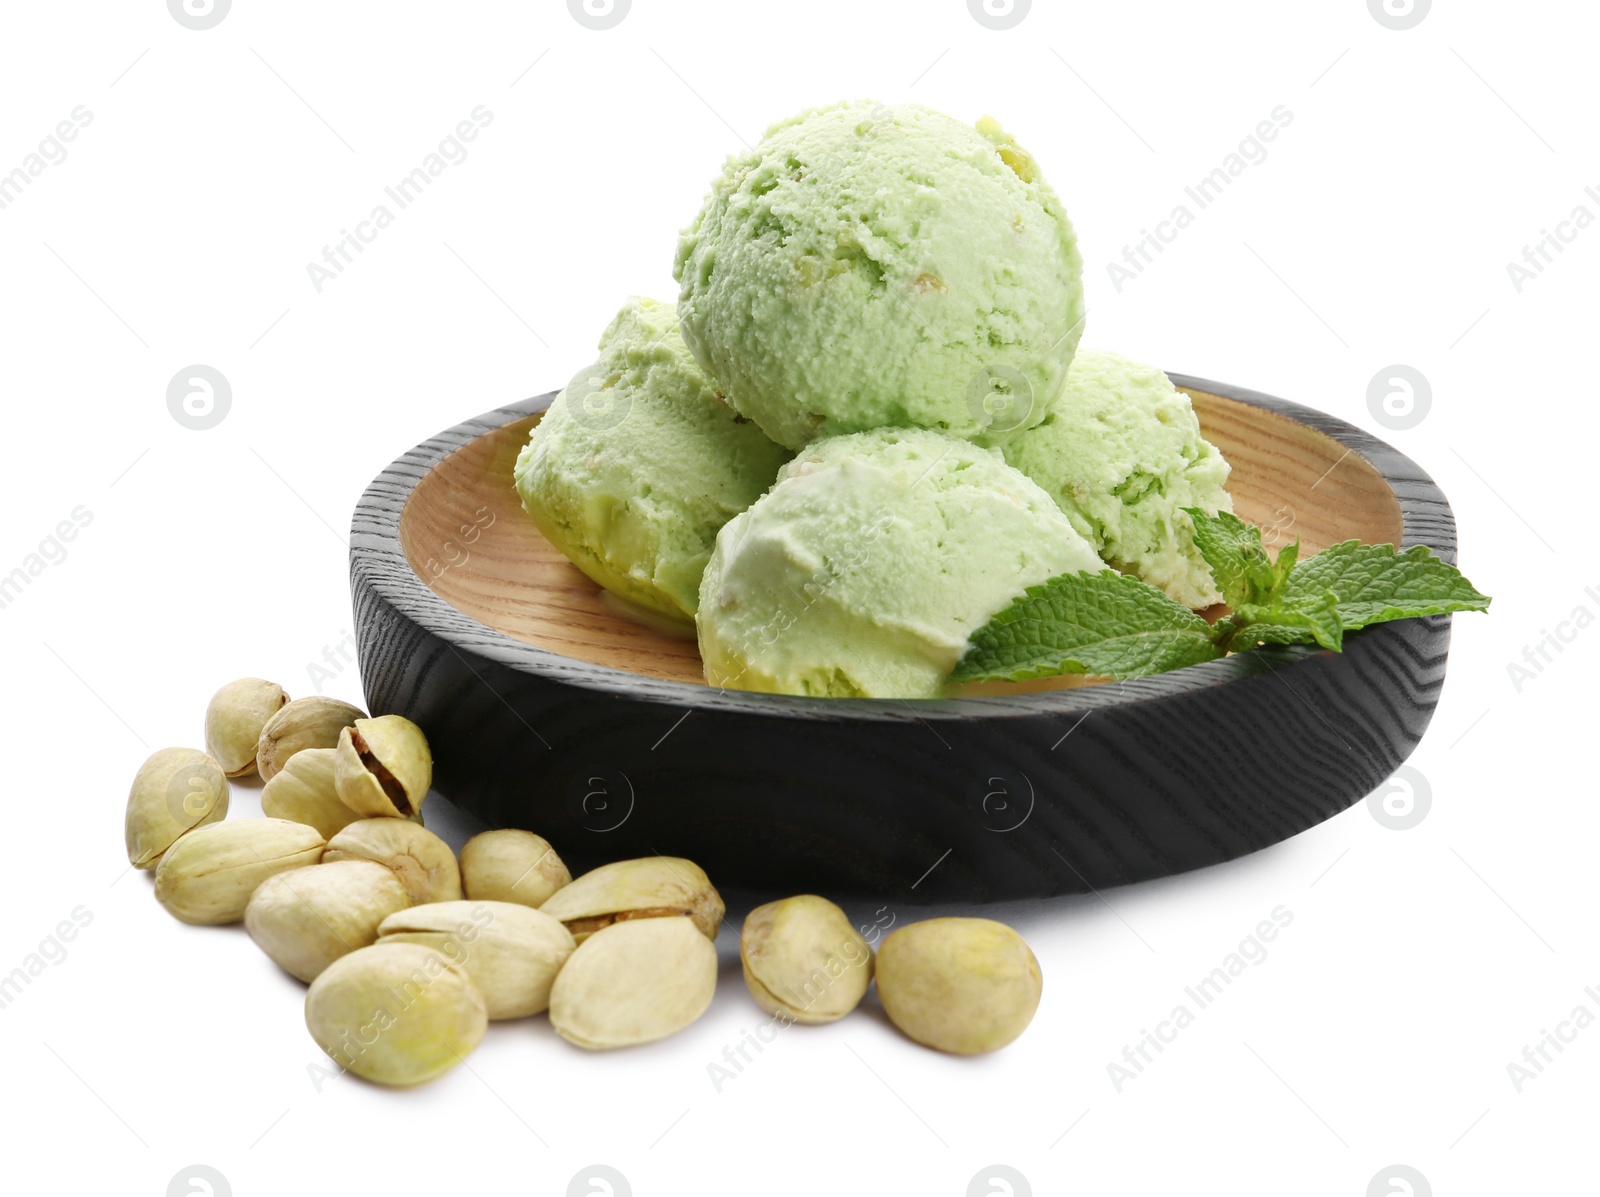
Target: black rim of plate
<point x="378" y="565"/>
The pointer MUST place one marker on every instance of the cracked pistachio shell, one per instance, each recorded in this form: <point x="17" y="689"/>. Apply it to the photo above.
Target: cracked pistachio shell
<point x="384" y="767"/>
<point x="511" y="952"/>
<point x="959" y="985"/>
<point x="395" y="1013"/>
<point x="303" y="791"/>
<point x="307" y="918"/>
<point x="634" y="982"/>
<point x="511" y="866"/>
<point x="650" y="887"/>
<point x="423" y="862"/>
<point x="175" y="791"/>
<point x="803" y="959"/>
<point x="209" y="874"/>
<point x="313" y="722"/>
<point x="234" y="719"/>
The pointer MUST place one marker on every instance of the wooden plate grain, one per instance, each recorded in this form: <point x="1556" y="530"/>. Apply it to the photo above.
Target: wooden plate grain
<point x="549" y="708"/>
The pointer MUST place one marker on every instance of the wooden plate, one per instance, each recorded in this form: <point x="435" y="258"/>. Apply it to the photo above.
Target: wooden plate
<point x="550" y="709"/>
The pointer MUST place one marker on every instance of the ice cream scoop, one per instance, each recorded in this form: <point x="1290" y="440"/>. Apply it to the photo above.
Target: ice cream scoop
<point x="865" y="568"/>
<point x="1121" y="452"/>
<point x="867" y="266"/>
<point x="638" y="462"/>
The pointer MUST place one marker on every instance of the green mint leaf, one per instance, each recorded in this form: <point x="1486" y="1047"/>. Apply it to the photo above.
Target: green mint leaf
<point x="1232" y="548"/>
<point x="1374" y="583"/>
<point x="1303" y="619"/>
<point x="1281" y="568"/>
<point x="1105" y="624"/>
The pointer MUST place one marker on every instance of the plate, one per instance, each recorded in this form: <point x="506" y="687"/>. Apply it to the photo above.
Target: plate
<point x="550" y="708"/>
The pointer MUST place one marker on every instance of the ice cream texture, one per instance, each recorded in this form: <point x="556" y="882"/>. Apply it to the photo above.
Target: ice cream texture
<point x="867" y="266"/>
<point x="638" y="463"/>
<point x="1121" y="453"/>
<point x="865" y="568"/>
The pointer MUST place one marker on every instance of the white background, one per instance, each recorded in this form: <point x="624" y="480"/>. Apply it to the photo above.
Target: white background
<point x="178" y="230"/>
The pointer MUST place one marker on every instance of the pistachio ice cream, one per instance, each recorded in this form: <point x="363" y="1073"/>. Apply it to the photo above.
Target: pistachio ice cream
<point x="1121" y="453"/>
<point x="867" y="266"/>
<point x="639" y="462"/>
<point x="872" y="559"/>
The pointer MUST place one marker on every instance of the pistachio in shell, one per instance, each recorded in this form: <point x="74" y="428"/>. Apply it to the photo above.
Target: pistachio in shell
<point x="512" y="952"/>
<point x="396" y="1014"/>
<point x="508" y="865"/>
<point x="307" y="918"/>
<point x="384" y="767"/>
<point x="649" y="887"/>
<point x="208" y="876"/>
<point x="313" y="722"/>
<point x="303" y="791"/>
<point x="234" y="719"/>
<point x="959" y="985"/>
<point x="424" y="863"/>
<point x="803" y="960"/>
<point x="175" y="791"/>
<point x="633" y="982"/>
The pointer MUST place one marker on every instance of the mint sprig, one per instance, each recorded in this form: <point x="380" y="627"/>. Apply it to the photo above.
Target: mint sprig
<point x="1111" y="625"/>
<point x="1106" y="624"/>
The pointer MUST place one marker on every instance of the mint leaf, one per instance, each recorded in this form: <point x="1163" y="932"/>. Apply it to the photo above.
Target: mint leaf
<point x="1302" y="619"/>
<point x="1281" y="568"/>
<point x="1373" y="583"/>
<point x="1232" y="548"/>
<point x="1105" y="624"/>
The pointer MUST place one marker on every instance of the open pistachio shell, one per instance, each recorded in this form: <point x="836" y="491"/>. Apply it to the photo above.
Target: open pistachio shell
<point x="650" y="887"/>
<point x="384" y="767"/>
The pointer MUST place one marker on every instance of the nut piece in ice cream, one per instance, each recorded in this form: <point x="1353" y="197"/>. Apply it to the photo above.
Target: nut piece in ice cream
<point x="234" y="719"/>
<point x="208" y="876"/>
<point x="803" y="960"/>
<point x="511" y="952"/>
<point x="395" y="1013"/>
<point x="634" y="982"/>
<point x="175" y="791"/>
<point x="511" y="866"/>
<point x="307" y="918"/>
<point x="313" y="722"/>
<point x="422" y="861"/>
<point x="959" y="985"/>
<point x="384" y="767"/>
<point x="303" y="791"/>
<point x="650" y="887"/>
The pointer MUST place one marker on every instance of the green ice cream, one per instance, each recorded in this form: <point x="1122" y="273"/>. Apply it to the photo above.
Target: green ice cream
<point x="1121" y="452"/>
<point x="638" y="463"/>
<point x="862" y="572"/>
<point x="867" y="266"/>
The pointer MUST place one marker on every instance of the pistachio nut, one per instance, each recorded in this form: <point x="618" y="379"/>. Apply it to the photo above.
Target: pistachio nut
<point x="422" y="861"/>
<point x="650" y="887"/>
<point x="234" y="719"/>
<point x="307" y="918"/>
<point x="803" y="960"/>
<point x="175" y="791"/>
<point x="395" y="1013"/>
<point x="634" y="982"/>
<point x="511" y="866"/>
<point x="303" y="791"/>
<point x="313" y="722"/>
<point x="959" y="985"/>
<point x="209" y="874"/>
<point x="511" y="952"/>
<point x="384" y="767"/>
